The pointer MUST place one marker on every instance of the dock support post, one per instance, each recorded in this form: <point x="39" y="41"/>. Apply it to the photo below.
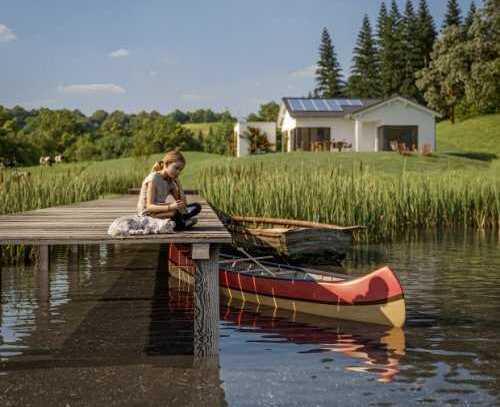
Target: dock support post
<point x="74" y="268"/>
<point x="206" y="300"/>
<point x="43" y="272"/>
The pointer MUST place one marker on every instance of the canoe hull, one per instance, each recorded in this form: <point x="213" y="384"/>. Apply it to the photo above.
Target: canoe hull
<point x="374" y="298"/>
<point x="391" y="313"/>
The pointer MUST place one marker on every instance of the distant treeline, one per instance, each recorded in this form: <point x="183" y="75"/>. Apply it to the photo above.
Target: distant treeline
<point x="27" y="135"/>
<point x="455" y="71"/>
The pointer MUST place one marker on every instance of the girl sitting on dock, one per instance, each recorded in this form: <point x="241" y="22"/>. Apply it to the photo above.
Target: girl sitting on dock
<point x="163" y="183"/>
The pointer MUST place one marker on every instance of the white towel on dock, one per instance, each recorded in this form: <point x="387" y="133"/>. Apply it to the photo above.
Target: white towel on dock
<point x="139" y="225"/>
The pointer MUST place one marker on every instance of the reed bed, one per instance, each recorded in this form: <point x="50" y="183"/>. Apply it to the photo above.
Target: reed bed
<point x="386" y="204"/>
<point x="44" y="187"/>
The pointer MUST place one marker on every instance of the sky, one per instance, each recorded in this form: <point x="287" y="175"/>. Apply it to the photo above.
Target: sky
<point x="162" y="55"/>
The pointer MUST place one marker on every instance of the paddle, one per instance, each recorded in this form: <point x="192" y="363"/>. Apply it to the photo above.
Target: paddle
<point x="256" y="261"/>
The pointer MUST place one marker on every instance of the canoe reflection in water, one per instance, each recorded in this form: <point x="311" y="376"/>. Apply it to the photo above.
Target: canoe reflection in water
<point x="379" y="348"/>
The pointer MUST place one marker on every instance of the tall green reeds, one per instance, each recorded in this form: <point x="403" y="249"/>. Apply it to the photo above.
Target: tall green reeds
<point x="386" y="204"/>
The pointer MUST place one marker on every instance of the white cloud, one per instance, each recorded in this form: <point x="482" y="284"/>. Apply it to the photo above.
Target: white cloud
<point x="153" y="74"/>
<point x="307" y="72"/>
<point x="92" y="89"/>
<point x="120" y="53"/>
<point x="6" y="34"/>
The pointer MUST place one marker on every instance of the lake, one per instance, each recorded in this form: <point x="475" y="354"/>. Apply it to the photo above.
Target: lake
<point x="107" y="333"/>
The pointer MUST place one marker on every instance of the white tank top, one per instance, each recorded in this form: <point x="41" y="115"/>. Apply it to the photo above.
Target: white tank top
<point x="164" y="188"/>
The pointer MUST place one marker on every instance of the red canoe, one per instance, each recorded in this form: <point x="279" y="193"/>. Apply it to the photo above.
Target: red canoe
<point x="375" y="298"/>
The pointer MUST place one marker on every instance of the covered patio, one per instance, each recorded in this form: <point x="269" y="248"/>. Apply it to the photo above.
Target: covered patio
<point x="312" y="139"/>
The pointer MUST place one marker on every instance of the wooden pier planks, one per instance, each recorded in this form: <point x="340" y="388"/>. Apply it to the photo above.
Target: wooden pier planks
<point x="88" y="222"/>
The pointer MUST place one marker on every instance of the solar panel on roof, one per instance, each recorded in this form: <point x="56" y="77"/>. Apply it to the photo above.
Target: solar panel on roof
<point x="320" y="105"/>
<point x="296" y="105"/>
<point x="308" y="104"/>
<point x="333" y="106"/>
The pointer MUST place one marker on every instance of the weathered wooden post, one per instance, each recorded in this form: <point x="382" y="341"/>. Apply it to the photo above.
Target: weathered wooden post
<point x="74" y="267"/>
<point x="42" y="273"/>
<point x="206" y="300"/>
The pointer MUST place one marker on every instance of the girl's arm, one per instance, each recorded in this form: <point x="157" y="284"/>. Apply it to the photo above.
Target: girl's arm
<point x="182" y="195"/>
<point x="164" y="208"/>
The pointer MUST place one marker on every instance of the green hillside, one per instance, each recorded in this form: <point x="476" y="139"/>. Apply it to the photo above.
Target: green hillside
<point x="196" y="127"/>
<point x="477" y="135"/>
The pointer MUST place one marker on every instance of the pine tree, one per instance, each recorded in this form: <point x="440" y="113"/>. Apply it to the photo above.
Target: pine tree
<point x="470" y="18"/>
<point x="364" y="81"/>
<point x="384" y="57"/>
<point x="328" y="74"/>
<point x="453" y="15"/>
<point x="412" y="56"/>
<point x="426" y="32"/>
<point x="392" y="55"/>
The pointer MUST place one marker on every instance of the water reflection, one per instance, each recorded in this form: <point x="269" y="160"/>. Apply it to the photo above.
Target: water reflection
<point x="377" y="347"/>
<point x="109" y="327"/>
<point x="105" y="329"/>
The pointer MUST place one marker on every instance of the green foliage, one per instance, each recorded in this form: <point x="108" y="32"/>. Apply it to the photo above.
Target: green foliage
<point x="257" y="140"/>
<point x="443" y="81"/>
<point x="470" y="18"/>
<point x="268" y="112"/>
<point x="464" y="74"/>
<point x="391" y="51"/>
<point x="220" y="138"/>
<point x="25" y="136"/>
<point x="329" y="81"/>
<point x="426" y="37"/>
<point x="364" y="81"/>
<point x="413" y="54"/>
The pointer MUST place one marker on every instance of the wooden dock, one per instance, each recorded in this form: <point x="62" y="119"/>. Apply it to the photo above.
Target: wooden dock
<point x="88" y="222"/>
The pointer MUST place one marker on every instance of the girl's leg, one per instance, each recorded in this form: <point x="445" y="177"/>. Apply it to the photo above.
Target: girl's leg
<point x="180" y="219"/>
<point x="192" y="210"/>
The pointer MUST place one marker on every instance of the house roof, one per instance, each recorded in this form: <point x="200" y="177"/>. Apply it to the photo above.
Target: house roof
<point x="347" y="108"/>
<point x="383" y="102"/>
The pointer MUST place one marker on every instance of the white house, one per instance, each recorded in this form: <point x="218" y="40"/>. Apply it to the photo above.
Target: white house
<point x="360" y="124"/>
<point x="243" y="144"/>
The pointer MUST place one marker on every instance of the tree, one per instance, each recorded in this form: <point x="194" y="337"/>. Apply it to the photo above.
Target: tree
<point x="328" y="73"/>
<point x="258" y="141"/>
<point x="364" y="81"/>
<point x="443" y="82"/>
<point x="391" y="51"/>
<point x="268" y="112"/>
<point x="469" y="19"/>
<point x="413" y="55"/>
<point x="482" y="85"/>
<point x="453" y="15"/>
<point x="220" y="138"/>
<point x="426" y="32"/>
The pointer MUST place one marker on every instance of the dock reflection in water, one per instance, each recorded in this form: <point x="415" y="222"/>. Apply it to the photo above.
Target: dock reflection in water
<point x="102" y="331"/>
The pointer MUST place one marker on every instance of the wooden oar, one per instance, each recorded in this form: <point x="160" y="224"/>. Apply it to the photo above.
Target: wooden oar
<point x="256" y="261"/>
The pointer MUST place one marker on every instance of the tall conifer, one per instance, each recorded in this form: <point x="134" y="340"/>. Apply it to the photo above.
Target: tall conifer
<point x="453" y="15"/>
<point x="364" y="81"/>
<point x="412" y="53"/>
<point x="328" y="73"/>
<point x="426" y="32"/>
<point x="470" y="18"/>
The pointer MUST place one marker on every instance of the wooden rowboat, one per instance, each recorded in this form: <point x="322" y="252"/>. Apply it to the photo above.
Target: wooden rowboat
<point x="375" y="298"/>
<point x="290" y="238"/>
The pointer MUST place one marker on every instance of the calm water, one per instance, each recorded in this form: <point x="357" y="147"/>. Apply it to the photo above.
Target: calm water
<point x="110" y="332"/>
